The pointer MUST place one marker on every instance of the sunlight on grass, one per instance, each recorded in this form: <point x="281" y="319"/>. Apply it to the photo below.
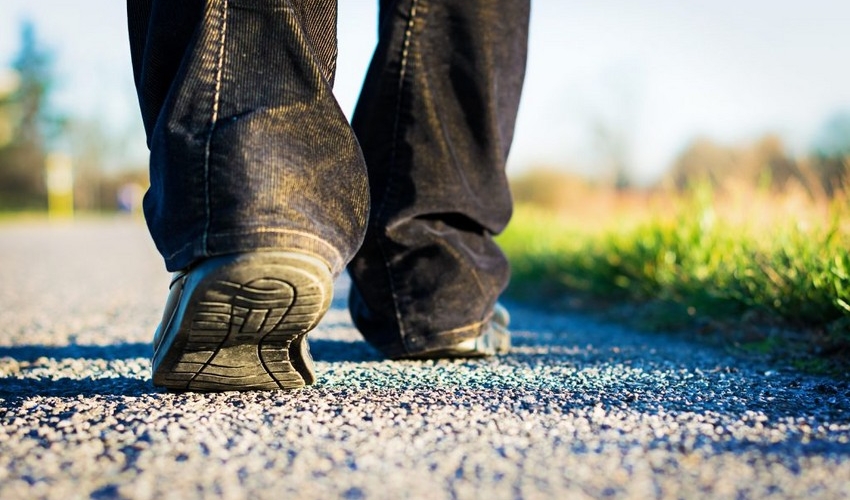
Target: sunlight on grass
<point x="692" y="257"/>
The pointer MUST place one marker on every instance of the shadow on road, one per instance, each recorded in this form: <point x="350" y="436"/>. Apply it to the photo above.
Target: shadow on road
<point x="322" y="349"/>
<point x="31" y="353"/>
<point x="338" y="351"/>
<point x="29" y="384"/>
<point x="15" y="391"/>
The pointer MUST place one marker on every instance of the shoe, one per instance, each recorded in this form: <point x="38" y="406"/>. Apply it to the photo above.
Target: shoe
<point x="239" y="322"/>
<point x="494" y="339"/>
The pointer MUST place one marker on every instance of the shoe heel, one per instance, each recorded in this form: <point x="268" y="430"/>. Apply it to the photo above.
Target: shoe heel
<point x="243" y="324"/>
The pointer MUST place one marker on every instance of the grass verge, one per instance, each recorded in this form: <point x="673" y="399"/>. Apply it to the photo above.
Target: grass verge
<point x="777" y="287"/>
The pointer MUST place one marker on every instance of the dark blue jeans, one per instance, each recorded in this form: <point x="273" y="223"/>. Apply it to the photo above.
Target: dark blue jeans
<point x="250" y="151"/>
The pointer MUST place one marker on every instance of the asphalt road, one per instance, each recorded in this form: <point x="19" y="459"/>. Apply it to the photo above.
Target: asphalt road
<point x="578" y="409"/>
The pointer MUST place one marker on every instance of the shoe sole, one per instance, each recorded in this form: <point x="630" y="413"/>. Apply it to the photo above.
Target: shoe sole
<point x="243" y="324"/>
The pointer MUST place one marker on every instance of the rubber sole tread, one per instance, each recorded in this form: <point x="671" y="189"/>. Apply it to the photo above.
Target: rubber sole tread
<point x="242" y="322"/>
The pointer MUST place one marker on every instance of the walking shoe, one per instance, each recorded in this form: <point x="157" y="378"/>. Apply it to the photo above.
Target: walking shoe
<point x="495" y="339"/>
<point x="240" y="322"/>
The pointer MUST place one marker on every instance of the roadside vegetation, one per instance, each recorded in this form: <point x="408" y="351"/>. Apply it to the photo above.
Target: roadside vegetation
<point x="751" y="268"/>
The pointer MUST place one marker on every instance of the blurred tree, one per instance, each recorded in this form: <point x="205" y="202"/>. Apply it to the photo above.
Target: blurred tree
<point x="549" y="188"/>
<point x="34" y="125"/>
<point x="613" y="123"/>
<point x="702" y="162"/>
<point x="762" y="165"/>
<point x="831" y="153"/>
<point x="8" y="84"/>
<point x="612" y="143"/>
<point x="767" y="164"/>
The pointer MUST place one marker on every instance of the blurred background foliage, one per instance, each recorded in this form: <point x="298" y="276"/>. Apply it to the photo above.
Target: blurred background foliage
<point x="32" y="128"/>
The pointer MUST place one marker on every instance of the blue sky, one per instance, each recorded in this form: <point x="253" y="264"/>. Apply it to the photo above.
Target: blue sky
<point x="656" y="72"/>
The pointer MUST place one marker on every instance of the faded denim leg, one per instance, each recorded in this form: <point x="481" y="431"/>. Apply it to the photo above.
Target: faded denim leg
<point x="249" y="149"/>
<point x="435" y="120"/>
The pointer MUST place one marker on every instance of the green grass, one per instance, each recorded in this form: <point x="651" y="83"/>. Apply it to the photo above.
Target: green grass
<point x="784" y="288"/>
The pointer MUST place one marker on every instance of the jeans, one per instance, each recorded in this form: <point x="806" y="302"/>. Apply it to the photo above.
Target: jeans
<point x="250" y="150"/>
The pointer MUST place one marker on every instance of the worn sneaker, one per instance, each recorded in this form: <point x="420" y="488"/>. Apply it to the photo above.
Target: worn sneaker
<point x="240" y="322"/>
<point x="494" y="339"/>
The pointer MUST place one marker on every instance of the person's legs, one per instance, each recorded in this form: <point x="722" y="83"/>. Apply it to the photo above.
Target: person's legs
<point x="249" y="149"/>
<point x="435" y="120"/>
<point x="258" y="187"/>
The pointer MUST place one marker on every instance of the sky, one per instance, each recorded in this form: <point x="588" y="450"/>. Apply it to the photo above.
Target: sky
<point x="655" y="73"/>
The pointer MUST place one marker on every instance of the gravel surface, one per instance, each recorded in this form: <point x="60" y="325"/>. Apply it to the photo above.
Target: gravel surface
<point x="578" y="409"/>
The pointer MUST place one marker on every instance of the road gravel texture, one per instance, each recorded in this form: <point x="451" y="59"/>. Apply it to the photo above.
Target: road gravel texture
<point x="578" y="409"/>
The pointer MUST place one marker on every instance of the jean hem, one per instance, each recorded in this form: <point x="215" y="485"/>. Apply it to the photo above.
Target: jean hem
<point x="414" y="345"/>
<point x="257" y="241"/>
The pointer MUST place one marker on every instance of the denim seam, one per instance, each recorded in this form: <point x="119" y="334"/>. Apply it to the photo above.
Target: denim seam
<point x="379" y="216"/>
<point x="219" y="70"/>
<point x="178" y="251"/>
<point x="448" y="338"/>
<point x="457" y="255"/>
<point x="333" y="250"/>
<point x="471" y="326"/>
